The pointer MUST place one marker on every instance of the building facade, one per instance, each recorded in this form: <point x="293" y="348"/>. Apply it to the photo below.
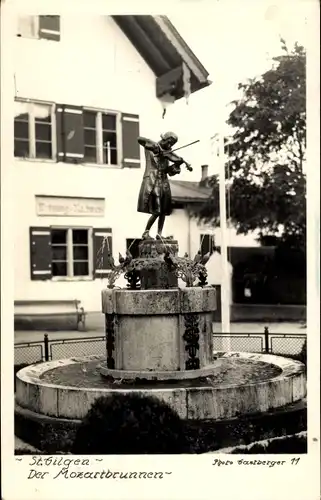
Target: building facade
<point x="84" y="91"/>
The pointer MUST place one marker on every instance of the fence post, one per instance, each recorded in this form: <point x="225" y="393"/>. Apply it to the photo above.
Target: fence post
<point x="46" y="343"/>
<point x="266" y="340"/>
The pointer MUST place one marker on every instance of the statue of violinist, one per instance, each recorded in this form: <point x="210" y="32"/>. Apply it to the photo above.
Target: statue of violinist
<point x="155" y="193"/>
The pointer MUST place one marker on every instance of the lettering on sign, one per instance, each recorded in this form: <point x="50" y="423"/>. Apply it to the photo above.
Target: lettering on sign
<point x="81" y="207"/>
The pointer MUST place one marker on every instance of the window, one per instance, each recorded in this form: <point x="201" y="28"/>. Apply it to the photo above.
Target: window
<point x="207" y="243"/>
<point x="72" y="134"/>
<point x="27" y="26"/>
<point x="100" y="137"/>
<point x="39" y="27"/>
<point x="133" y="246"/>
<point x="70" y="252"/>
<point x="33" y="130"/>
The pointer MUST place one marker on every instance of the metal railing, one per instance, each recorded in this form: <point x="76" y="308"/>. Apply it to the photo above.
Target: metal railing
<point x="280" y="343"/>
<point x="67" y="348"/>
<point x="244" y="342"/>
<point x="47" y="349"/>
<point x="29" y="353"/>
<point x="268" y="343"/>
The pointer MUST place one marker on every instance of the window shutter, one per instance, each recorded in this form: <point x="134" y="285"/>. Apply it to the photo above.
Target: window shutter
<point x="207" y="243"/>
<point x="49" y="27"/>
<point x="40" y="253"/>
<point x="130" y="134"/>
<point x="102" y="248"/>
<point x="70" y="134"/>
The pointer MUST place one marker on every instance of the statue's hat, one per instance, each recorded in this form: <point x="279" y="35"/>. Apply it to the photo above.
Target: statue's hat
<point x="169" y="135"/>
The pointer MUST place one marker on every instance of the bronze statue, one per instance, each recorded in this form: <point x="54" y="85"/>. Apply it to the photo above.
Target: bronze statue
<point x="155" y="193"/>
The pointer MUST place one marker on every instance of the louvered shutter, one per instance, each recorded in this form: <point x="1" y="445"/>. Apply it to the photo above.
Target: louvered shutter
<point x="40" y="253"/>
<point x="130" y="134"/>
<point x="49" y="27"/>
<point x="70" y="133"/>
<point x="102" y="248"/>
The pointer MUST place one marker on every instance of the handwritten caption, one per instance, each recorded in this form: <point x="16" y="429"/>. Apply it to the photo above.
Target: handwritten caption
<point x="268" y="463"/>
<point x="77" y="468"/>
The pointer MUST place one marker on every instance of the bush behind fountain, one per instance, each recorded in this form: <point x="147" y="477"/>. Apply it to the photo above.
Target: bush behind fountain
<point x="130" y="424"/>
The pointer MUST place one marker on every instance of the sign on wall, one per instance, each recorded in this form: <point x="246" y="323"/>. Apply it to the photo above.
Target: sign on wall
<point x="69" y="206"/>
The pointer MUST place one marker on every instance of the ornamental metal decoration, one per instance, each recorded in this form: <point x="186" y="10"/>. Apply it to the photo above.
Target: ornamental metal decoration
<point x="192" y="272"/>
<point x="124" y="266"/>
<point x="191" y="337"/>
<point x="189" y="270"/>
<point x="110" y="339"/>
<point x="133" y="279"/>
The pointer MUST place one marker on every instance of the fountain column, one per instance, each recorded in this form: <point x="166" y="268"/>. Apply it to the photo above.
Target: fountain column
<point x="159" y="332"/>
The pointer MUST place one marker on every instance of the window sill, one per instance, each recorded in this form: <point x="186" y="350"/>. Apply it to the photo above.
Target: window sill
<point x="102" y="165"/>
<point x="29" y="37"/>
<point x="37" y="38"/>
<point x="35" y="160"/>
<point x="50" y="161"/>
<point x="73" y="278"/>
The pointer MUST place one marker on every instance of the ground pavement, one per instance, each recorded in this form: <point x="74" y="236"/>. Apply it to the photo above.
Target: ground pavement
<point x="95" y="326"/>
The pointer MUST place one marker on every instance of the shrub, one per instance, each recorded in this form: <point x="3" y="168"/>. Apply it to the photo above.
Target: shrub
<point x="48" y="435"/>
<point x="25" y="451"/>
<point x="130" y="424"/>
<point x="303" y="354"/>
<point x="289" y="444"/>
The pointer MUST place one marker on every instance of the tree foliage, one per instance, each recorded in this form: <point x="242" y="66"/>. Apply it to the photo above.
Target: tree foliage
<point x="266" y="186"/>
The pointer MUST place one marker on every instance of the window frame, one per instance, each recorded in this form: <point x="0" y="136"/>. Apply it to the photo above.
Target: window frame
<point x="99" y="135"/>
<point x="32" y="131"/>
<point x="70" y="260"/>
<point x="34" y="21"/>
<point x="35" y="28"/>
<point x="130" y="244"/>
<point x="211" y="237"/>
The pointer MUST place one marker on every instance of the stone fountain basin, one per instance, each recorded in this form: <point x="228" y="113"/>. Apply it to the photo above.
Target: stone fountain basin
<point x="281" y="383"/>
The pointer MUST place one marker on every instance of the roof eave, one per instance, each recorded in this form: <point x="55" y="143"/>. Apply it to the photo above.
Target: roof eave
<point x="182" y="48"/>
<point x="166" y="53"/>
<point x="188" y="200"/>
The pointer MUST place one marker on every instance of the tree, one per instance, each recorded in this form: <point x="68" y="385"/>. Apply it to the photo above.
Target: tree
<point x="266" y="185"/>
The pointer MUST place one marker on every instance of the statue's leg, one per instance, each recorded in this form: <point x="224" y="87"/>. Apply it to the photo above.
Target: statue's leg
<point x="161" y="222"/>
<point x="149" y="224"/>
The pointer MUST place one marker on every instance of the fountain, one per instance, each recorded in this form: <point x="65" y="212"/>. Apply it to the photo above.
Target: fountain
<point x="159" y="341"/>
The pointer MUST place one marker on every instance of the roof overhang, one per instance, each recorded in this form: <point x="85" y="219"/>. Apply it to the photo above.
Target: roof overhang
<point x="166" y="53"/>
<point x="186" y="193"/>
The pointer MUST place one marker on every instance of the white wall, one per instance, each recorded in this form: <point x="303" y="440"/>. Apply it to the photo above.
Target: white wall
<point x="94" y="64"/>
<point x="237" y="240"/>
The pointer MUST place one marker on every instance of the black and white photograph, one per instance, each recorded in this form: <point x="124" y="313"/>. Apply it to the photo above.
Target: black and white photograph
<point x="158" y="223"/>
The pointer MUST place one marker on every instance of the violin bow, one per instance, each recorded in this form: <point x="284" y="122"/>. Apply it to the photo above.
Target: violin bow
<point x="186" y="145"/>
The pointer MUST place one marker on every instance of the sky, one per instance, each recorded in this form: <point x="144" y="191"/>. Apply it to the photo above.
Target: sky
<point x="234" y="40"/>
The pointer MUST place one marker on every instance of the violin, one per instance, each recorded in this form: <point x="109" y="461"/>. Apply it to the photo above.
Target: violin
<point x="168" y="154"/>
<point x="177" y="160"/>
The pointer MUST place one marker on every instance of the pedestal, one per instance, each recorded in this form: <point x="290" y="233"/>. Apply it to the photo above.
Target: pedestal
<point x="155" y="274"/>
<point x="159" y="334"/>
